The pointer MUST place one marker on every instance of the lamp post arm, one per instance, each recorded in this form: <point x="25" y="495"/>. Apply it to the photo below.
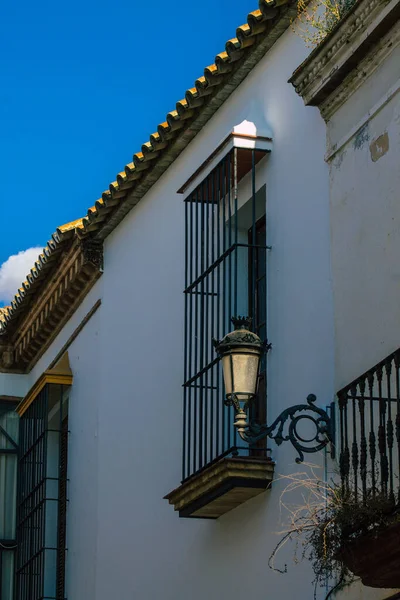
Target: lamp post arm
<point x="322" y="422"/>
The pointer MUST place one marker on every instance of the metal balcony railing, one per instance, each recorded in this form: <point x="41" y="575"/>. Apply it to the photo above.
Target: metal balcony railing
<point x="369" y="431"/>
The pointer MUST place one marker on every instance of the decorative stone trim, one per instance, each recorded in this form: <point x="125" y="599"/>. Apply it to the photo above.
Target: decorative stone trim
<point x="221" y="487"/>
<point x="6" y="356"/>
<point x="350" y="54"/>
<point x="364" y="70"/>
<point x="78" y="270"/>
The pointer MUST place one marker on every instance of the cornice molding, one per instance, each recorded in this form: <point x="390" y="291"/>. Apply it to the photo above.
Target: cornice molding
<point x="349" y="55"/>
<point x="357" y="76"/>
<point x="78" y="270"/>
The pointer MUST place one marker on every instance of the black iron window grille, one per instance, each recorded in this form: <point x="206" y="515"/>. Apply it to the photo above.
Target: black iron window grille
<point x="42" y="496"/>
<point x="369" y="431"/>
<point x="225" y="275"/>
<point x="8" y="488"/>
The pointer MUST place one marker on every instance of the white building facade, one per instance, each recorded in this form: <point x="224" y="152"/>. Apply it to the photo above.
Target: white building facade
<point x="97" y="335"/>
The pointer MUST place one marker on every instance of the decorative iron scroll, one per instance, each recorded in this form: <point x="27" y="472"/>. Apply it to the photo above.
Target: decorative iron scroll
<point x="291" y="417"/>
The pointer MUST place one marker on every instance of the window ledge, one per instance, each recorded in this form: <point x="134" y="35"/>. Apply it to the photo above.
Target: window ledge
<point x="222" y="487"/>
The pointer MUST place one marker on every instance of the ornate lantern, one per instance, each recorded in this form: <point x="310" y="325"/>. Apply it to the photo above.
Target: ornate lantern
<point x="240" y="352"/>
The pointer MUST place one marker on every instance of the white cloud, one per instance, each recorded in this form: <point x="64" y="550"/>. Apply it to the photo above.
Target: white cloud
<point x="14" y="271"/>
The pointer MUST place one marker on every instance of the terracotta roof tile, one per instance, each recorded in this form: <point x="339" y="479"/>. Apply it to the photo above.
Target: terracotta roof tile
<point x="3" y="313"/>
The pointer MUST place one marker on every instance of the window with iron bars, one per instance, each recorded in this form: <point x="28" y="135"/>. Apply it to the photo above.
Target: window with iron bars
<point x="8" y="489"/>
<point x="42" y="496"/>
<point x="225" y="276"/>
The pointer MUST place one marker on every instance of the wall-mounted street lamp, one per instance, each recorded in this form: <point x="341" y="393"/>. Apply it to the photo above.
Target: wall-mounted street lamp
<point x="240" y="353"/>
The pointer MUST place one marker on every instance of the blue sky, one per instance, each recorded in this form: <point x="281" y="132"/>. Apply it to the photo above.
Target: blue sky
<point x="83" y="85"/>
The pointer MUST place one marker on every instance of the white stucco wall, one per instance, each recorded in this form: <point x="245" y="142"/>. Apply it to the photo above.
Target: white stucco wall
<point x="124" y="540"/>
<point x="365" y="217"/>
<point x="143" y="549"/>
<point x="14" y="385"/>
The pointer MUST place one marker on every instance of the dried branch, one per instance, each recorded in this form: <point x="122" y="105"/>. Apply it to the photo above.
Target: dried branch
<point x="317" y="19"/>
<point x="328" y="516"/>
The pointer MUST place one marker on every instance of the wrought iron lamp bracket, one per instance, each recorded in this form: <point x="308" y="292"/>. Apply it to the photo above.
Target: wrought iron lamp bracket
<point x="323" y="423"/>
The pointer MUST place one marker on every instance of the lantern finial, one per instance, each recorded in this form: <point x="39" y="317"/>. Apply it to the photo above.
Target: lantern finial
<point x="241" y="322"/>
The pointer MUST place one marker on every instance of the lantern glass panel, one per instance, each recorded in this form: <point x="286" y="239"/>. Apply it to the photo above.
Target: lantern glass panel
<point x="240" y="373"/>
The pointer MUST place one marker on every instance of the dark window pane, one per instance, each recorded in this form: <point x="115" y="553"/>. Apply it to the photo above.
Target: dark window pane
<point x="8" y="490"/>
<point x="7" y="574"/>
<point x="9" y="422"/>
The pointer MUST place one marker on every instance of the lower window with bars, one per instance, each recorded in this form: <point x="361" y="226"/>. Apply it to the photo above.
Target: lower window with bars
<point x="42" y="496"/>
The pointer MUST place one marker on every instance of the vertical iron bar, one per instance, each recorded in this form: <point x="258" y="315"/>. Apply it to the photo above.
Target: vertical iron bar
<point x="235" y="191"/>
<point x="344" y="459"/>
<point x="224" y="311"/>
<point x="363" y="444"/>
<point x="389" y="428"/>
<point x="230" y="278"/>
<point x="187" y="296"/>
<point x="372" y="439"/>
<point x="397" y="367"/>
<point x="31" y="551"/>
<point x="346" y="441"/>
<point x="266" y="310"/>
<point x="196" y="331"/>
<point x="207" y="205"/>
<point x="219" y="310"/>
<point x="235" y="277"/>
<point x="228" y="178"/>
<point x="202" y="325"/>
<point x="253" y="234"/>
<point x="354" y="445"/>
<point x="191" y="342"/>
<point x="212" y="395"/>
<point x="59" y="474"/>
<point x="45" y="447"/>
<point x="225" y="317"/>
<point x="382" y="433"/>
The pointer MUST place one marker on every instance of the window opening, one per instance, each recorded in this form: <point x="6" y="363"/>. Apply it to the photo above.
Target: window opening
<point x="42" y="496"/>
<point x="225" y="276"/>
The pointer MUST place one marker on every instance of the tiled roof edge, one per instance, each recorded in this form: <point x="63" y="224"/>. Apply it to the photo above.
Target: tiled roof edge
<point x="3" y="312"/>
<point x="45" y="261"/>
<point x="253" y="39"/>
